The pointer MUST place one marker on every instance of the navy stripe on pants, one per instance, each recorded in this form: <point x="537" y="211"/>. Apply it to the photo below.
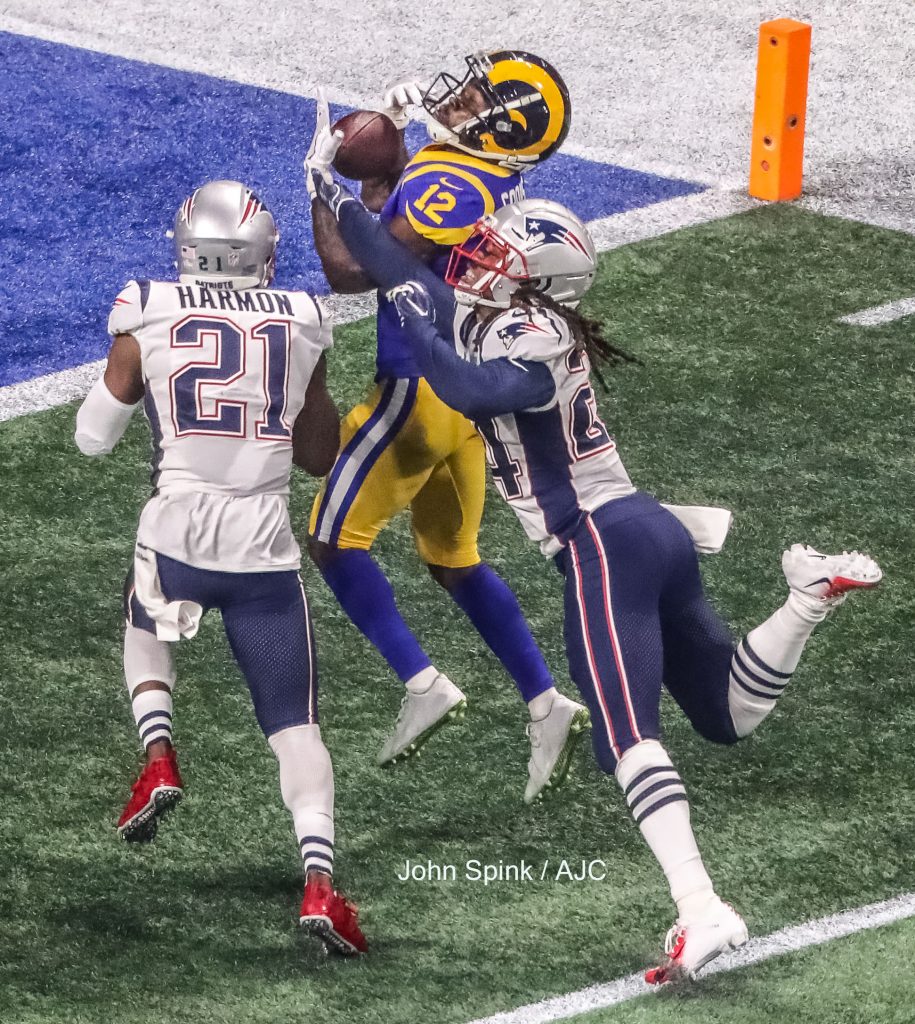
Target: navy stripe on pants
<point x="636" y="617"/>
<point x="269" y="628"/>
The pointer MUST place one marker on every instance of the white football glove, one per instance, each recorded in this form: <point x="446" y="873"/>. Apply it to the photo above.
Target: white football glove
<point x="397" y="96"/>
<point x="323" y="147"/>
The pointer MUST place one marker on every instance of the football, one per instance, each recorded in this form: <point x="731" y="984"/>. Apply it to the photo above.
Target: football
<point x="370" y="146"/>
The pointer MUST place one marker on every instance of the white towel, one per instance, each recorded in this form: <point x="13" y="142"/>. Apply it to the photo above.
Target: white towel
<point x="173" y="619"/>
<point x="707" y="525"/>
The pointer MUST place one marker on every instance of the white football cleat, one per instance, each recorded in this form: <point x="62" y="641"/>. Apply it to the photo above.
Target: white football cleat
<point x="690" y="947"/>
<point x="421" y="715"/>
<point x="553" y="741"/>
<point x="828" y="578"/>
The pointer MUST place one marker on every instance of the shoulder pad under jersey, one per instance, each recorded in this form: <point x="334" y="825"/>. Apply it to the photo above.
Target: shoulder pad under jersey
<point x="443" y="198"/>
<point x="536" y="334"/>
<point x="325" y="322"/>
<point x="126" y="313"/>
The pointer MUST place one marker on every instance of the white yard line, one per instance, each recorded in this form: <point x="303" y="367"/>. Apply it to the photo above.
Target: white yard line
<point x="877" y="315"/>
<point x="787" y="940"/>
<point x="609" y="233"/>
<point x="48" y="391"/>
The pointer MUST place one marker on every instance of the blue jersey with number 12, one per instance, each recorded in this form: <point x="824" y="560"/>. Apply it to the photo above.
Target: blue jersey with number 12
<point x="442" y="193"/>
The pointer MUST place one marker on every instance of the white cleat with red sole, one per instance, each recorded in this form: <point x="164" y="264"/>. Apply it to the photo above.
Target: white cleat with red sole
<point x="828" y="578"/>
<point x="689" y="947"/>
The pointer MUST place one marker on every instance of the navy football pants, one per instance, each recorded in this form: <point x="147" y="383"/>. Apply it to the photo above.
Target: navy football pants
<point x="268" y="625"/>
<point x="636" y="617"/>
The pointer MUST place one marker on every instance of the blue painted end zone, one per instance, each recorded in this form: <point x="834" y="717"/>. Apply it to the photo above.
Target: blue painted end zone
<point x="100" y="151"/>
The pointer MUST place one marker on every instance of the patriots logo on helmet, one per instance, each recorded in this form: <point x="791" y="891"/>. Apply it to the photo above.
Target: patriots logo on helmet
<point x="253" y="206"/>
<point x="543" y="231"/>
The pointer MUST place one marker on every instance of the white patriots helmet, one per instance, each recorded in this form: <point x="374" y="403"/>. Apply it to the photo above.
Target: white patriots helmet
<point x="534" y="242"/>
<point x="223" y="233"/>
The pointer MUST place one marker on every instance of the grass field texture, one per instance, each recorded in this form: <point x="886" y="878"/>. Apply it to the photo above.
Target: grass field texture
<point x="751" y="396"/>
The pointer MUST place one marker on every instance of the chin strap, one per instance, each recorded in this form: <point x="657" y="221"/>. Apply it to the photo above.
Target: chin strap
<point x="443" y="135"/>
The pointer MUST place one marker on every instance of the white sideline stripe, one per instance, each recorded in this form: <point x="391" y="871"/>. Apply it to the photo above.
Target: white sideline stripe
<point x="787" y="940"/>
<point x="608" y="233"/>
<point x="68" y="385"/>
<point x="877" y="315"/>
<point x="45" y="392"/>
<point x="671" y="215"/>
<point x="894" y="214"/>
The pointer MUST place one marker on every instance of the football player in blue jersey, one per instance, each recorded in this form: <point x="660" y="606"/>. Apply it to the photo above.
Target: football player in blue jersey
<point x="405" y="448"/>
<point x="503" y="342"/>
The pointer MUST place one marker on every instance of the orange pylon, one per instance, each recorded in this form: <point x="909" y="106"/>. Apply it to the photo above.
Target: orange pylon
<point x="779" y="115"/>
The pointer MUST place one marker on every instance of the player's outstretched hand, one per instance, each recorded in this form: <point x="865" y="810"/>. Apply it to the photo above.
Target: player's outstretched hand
<point x="323" y="147"/>
<point x="398" y="95"/>
<point x="327" y="190"/>
<point x="412" y="302"/>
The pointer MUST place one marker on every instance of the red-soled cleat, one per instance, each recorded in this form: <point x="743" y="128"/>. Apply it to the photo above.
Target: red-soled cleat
<point x="330" y="917"/>
<point x="155" y="792"/>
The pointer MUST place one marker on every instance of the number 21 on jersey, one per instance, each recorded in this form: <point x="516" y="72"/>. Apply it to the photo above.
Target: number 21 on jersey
<point x="196" y="410"/>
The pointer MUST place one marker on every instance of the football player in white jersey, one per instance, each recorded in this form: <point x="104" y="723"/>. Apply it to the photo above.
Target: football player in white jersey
<point x="508" y="349"/>
<point x="232" y="376"/>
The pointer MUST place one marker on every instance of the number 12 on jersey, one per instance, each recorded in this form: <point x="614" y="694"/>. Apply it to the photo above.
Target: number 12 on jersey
<point x="194" y="412"/>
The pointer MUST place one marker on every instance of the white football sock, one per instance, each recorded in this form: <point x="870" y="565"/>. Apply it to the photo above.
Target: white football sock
<point x="307" y="786"/>
<point x="540" y="706"/>
<point x="146" y="659"/>
<point x="657" y="798"/>
<point x="422" y="680"/>
<point x="766" y="658"/>
<point x="152" y="711"/>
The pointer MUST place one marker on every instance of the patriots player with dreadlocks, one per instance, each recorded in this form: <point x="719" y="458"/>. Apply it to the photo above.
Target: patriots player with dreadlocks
<point x="403" y="447"/>
<point x="503" y="342"/>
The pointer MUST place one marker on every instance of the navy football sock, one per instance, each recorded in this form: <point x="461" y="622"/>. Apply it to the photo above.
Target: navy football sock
<point x="367" y="598"/>
<point x="489" y="603"/>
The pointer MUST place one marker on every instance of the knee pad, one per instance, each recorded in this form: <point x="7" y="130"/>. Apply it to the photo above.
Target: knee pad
<point x="147" y="659"/>
<point x="306" y="772"/>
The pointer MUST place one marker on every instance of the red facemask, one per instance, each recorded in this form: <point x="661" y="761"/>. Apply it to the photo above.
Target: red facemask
<point x="489" y="251"/>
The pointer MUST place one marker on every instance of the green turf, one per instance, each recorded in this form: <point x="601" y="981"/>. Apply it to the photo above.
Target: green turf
<point x="751" y="395"/>
<point x="861" y="979"/>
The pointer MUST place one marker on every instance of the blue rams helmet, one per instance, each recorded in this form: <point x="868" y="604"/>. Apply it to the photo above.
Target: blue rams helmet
<point x="527" y="110"/>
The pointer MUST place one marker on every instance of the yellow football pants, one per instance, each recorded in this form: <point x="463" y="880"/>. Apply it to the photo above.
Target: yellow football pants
<point x="404" y="447"/>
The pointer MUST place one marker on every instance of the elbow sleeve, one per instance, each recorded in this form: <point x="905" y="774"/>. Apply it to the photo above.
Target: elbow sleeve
<point x="101" y="420"/>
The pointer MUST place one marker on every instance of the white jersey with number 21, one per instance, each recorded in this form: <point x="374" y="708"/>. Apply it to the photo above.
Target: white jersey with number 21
<point x="225" y="374"/>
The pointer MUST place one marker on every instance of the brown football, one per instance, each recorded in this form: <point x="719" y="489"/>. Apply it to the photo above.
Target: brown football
<point x="370" y="146"/>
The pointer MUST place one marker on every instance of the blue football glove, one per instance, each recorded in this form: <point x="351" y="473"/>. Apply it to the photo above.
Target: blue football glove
<point x="412" y="302"/>
<point x="330" y="192"/>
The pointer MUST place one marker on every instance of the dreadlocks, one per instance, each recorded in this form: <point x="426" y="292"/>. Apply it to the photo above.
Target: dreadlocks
<point x="586" y="331"/>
